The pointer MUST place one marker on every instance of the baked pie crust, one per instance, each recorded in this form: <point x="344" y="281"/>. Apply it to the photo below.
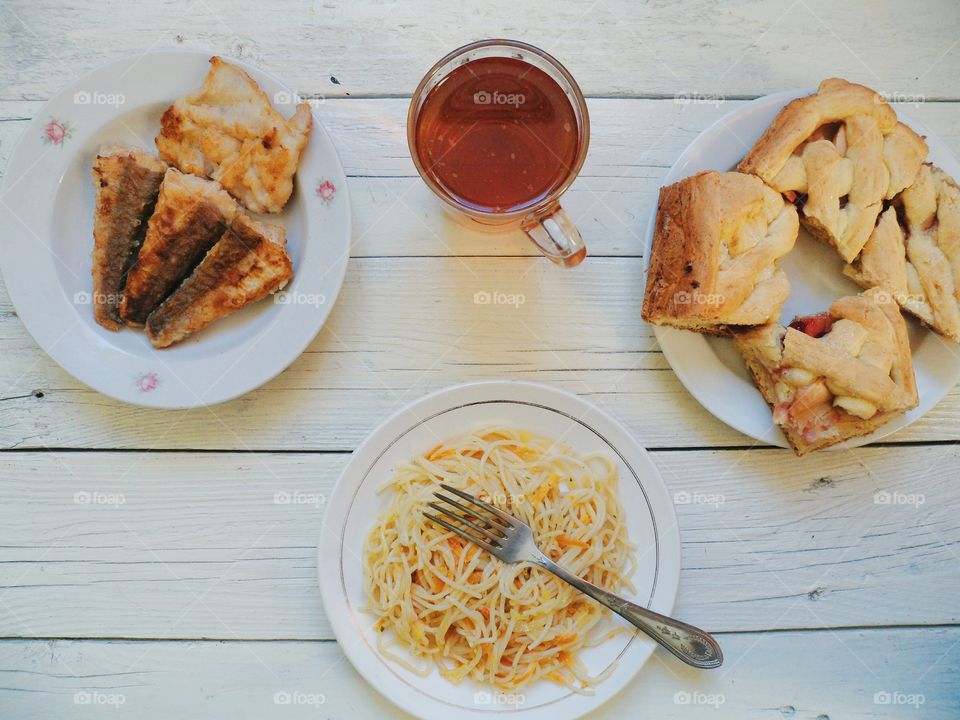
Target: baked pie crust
<point x="838" y="154"/>
<point x="914" y="252"/>
<point x="834" y="376"/>
<point x="715" y="248"/>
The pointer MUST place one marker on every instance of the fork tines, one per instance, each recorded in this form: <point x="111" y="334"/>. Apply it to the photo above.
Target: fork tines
<point x="496" y="523"/>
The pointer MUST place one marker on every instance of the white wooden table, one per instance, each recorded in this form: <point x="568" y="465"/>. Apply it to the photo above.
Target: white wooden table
<point x="197" y="597"/>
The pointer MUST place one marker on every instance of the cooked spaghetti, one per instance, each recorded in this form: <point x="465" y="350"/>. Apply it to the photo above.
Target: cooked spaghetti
<point x="453" y="605"/>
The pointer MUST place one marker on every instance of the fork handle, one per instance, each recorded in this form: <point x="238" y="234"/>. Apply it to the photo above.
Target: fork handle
<point x="690" y="644"/>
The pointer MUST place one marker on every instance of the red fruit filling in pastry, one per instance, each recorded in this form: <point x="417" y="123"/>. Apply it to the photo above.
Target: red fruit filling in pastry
<point x="813" y="325"/>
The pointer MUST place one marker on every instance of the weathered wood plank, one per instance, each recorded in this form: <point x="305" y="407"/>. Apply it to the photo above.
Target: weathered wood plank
<point x="402" y="328"/>
<point x="612" y="47"/>
<point x="853" y="674"/>
<point x="628" y="136"/>
<point x="175" y="545"/>
<point x="394" y="213"/>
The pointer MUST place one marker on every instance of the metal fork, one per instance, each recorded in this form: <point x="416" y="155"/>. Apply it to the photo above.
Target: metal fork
<point x="511" y="540"/>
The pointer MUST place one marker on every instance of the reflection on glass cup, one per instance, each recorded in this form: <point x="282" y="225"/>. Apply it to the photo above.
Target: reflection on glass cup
<point x="499" y="130"/>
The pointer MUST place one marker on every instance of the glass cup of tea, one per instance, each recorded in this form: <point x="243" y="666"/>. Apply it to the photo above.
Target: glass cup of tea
<point x="499" y="130"/>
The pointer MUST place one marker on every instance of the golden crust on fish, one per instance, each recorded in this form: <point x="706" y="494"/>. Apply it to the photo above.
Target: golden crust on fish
<point x="190" y="216"/>
<point x="228" y="130"/>
<point x="126" y="181"/>
<point x="248" y="263"/>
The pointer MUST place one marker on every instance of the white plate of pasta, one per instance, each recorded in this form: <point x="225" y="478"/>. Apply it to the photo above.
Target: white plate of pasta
<point x="440" y="627"/>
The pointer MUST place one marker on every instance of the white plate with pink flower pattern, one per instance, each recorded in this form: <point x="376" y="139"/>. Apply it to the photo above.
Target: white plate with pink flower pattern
<point x="46" y="210"/>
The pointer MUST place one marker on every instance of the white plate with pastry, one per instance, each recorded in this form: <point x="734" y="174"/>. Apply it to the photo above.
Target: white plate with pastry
<point x="724" y="257"/>
<point x="594" y="499"/>
<point x="178" y="228"/>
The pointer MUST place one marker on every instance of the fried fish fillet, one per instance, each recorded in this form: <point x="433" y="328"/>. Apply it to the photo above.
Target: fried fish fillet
<point x="127" y="181"/>
<point x="248" y="263"/>
<point x="190" y="216"/>
<point x="229" y="131"/>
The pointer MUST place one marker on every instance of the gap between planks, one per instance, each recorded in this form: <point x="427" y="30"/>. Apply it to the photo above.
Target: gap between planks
<point x="348" y="451"/>
<point x="190" y="639"/>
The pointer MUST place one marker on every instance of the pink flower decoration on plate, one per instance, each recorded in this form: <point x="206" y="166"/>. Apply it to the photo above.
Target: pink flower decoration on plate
<point x="147" y="382"/>
<point x="56" y="131"/>
<point x="326" y="191"/>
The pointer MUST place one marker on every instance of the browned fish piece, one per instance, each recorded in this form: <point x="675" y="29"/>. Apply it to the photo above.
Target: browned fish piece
<point x="190" y="217"/>
<point x="229" y="131"/>
<point x="248" y="263"/>
<point x="127" y="181"/>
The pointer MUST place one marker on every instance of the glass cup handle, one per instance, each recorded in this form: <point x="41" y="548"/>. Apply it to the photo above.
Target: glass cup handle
<point x="557" y="237"/>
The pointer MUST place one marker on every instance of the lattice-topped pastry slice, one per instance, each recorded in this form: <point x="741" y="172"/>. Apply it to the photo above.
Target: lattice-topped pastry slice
<point x="834" y="376"/>
<point x="838" y="154"/>
<point x="715" y="248"/>
<point x="914" y="251"/>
